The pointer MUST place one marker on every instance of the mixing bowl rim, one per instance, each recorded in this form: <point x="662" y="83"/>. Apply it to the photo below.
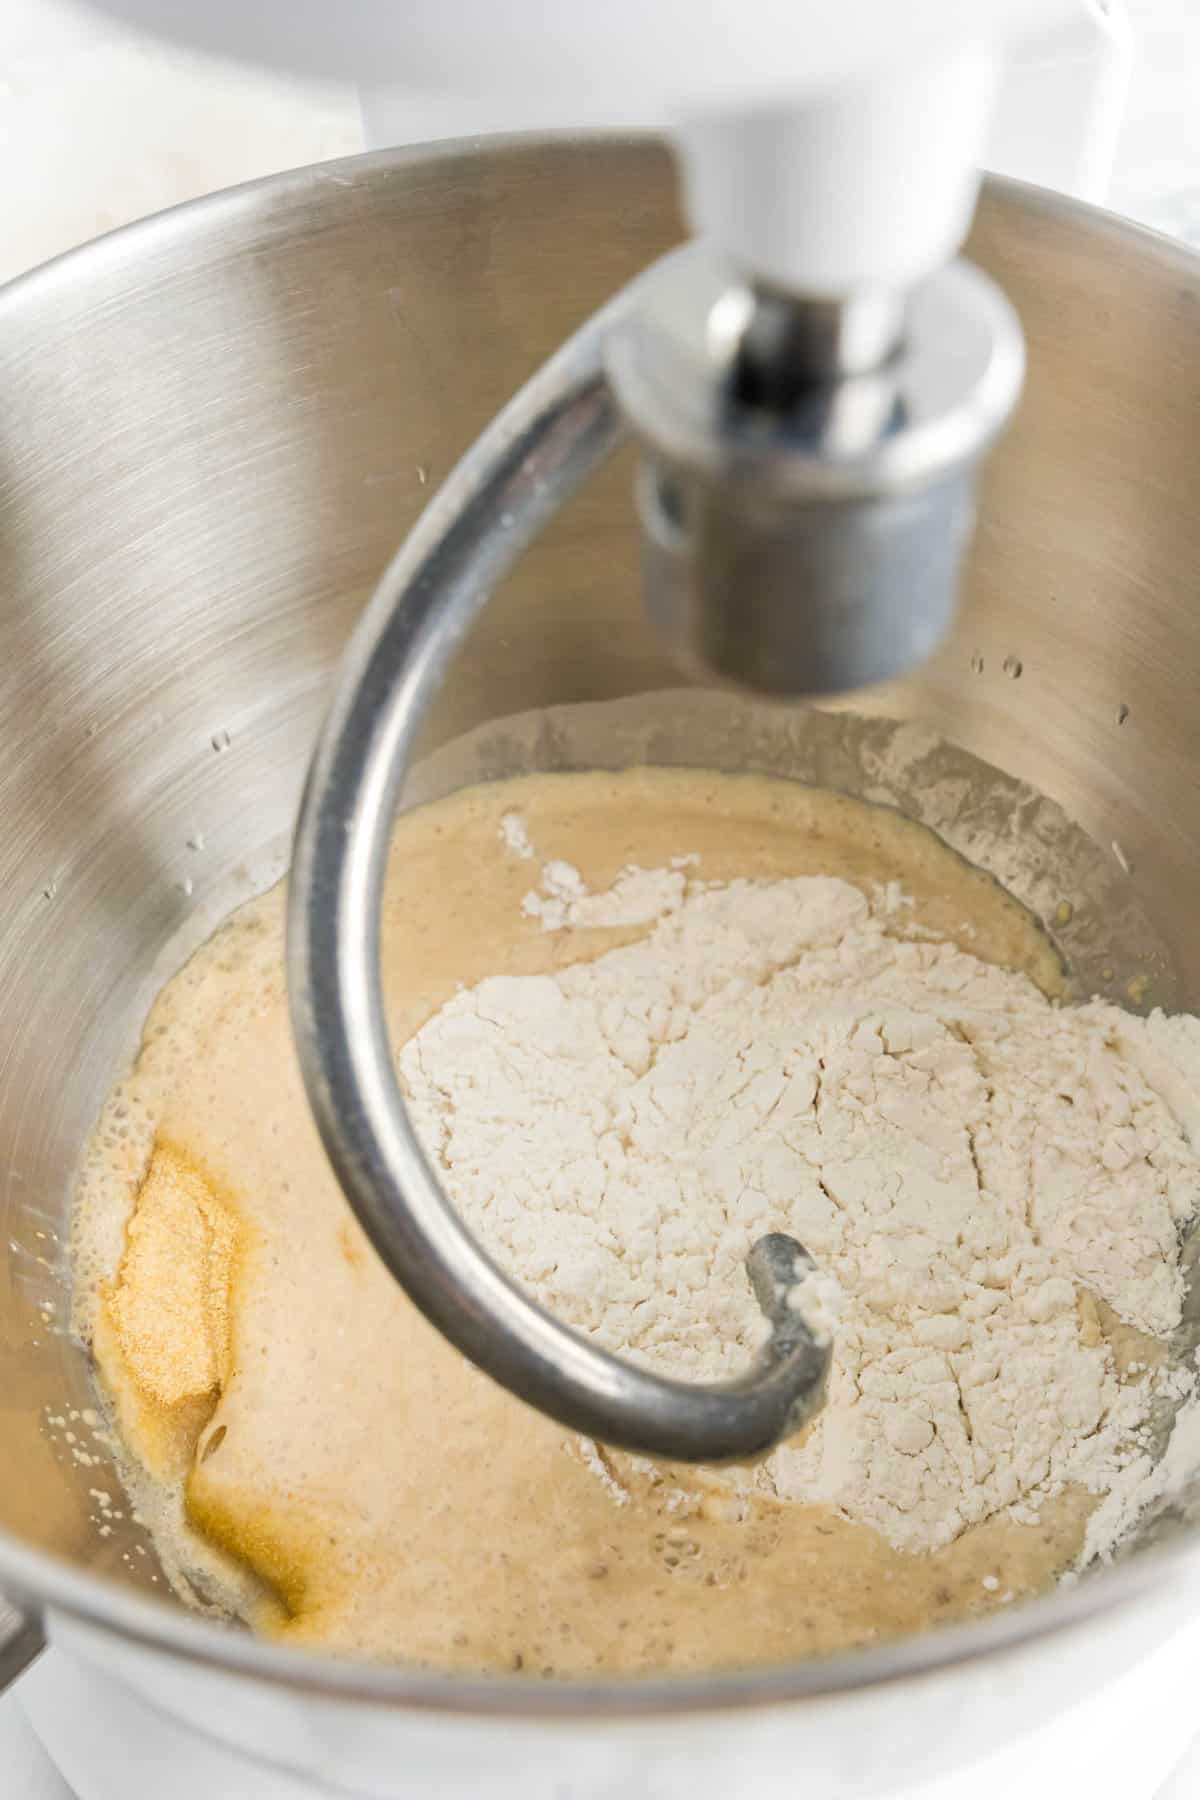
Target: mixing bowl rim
<point x="43" y="1581"/>
<point x="43" y="1584"/>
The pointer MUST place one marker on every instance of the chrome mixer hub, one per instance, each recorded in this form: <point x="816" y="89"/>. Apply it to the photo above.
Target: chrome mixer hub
<point x="807" y="479"/>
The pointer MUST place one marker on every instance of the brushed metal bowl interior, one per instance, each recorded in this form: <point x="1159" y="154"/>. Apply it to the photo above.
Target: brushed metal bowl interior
<point x="217" y="425"/>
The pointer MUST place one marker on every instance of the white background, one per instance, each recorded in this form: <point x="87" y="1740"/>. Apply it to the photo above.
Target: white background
<point x="98" y="128"/>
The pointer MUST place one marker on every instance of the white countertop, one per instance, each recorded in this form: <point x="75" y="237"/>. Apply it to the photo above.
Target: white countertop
<point x="28" y="1772"/>
<point x="100" y="128"/>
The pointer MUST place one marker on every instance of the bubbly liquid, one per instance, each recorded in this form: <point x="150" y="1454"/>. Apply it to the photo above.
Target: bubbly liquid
<point x="310" y="1451"/>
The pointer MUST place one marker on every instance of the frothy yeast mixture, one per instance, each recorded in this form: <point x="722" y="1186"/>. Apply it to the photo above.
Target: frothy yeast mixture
<point x="314" y="1457"/>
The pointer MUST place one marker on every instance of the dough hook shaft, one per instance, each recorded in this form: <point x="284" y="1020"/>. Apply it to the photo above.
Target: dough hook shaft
<point x="806" y="482"/>
<point x="520" y="471"/>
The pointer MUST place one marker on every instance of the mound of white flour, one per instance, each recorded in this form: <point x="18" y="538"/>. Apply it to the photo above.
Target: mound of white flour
<point x="975" y="1166"/>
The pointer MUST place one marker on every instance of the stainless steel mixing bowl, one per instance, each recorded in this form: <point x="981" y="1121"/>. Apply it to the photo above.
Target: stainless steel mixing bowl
<point x="214" y="429"/>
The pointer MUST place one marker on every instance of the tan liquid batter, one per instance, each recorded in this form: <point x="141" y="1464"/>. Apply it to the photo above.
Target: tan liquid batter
<point x="283" y="1400"/>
